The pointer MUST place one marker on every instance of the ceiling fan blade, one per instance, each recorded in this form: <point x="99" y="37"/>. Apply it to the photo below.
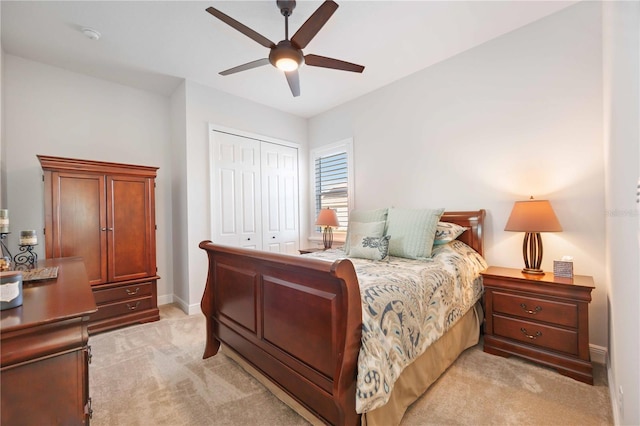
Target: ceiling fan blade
<point x="241" y="27"/>
<point x="323" y="61"/>
<point x="249" y="65"/>
<point x="310" y="28"/>
<point x="293" y="79"/>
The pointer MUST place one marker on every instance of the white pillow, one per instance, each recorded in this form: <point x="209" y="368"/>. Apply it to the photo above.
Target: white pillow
<point x="371" y="229"/>
<point x="364" y="216"/>
<point x="372" y="248"/>
<point x="412" y="232"/>
<point x="447" y="232"/>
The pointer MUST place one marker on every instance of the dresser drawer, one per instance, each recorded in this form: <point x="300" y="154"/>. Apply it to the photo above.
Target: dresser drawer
<point x="535" y="309"/>
<point x="124" y="292"/>
<point x="115" y="309"/>
<point x="537" y="334"/>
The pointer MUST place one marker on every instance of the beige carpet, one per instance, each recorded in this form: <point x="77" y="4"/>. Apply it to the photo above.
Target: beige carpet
<point x="154" y="374"/>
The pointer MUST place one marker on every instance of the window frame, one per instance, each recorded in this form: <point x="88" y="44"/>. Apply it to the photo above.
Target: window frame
<point x="346" y="146"/>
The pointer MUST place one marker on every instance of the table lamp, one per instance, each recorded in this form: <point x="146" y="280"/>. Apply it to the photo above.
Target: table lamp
<point x="327" y="218"/>
<point x="532" y="217"/>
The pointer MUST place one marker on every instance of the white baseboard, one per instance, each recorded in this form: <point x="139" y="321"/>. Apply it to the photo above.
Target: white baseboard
<point x="612" y="393"/>
<point x="186" y="308"/>
<point x="165" y="299"/>
<point x="598" y="354"/>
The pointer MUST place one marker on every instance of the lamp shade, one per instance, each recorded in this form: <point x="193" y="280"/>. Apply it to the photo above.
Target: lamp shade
<point x="533" y="216"/>
<point x="327" y="217"/>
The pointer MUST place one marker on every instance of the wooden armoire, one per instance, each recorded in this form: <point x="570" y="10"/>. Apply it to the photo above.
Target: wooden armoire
<point x="105" y="213"/>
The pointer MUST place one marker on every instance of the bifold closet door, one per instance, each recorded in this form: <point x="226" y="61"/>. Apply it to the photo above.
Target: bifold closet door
<point x="279" y="198"/>
<point x="236" y="191"/>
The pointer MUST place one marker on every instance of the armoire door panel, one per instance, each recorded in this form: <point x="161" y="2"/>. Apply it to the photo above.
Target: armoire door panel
<point x="80" y="222"/>
<point x="128" y="218"/>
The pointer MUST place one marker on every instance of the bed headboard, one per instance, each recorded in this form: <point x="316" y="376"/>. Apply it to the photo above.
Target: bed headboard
<point x="474" y="221"/>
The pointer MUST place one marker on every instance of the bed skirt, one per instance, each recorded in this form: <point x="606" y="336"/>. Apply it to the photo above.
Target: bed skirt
<point x="414" y="380"/>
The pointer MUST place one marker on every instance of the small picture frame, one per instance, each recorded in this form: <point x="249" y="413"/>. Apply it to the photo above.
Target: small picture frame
<point x="562" y="268"/>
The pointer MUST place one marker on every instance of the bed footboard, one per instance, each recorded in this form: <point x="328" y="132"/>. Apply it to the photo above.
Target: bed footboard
<point x="297" y="320"/>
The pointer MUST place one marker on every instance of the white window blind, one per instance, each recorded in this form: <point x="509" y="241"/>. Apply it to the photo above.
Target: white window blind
<point x="332" y="184"/>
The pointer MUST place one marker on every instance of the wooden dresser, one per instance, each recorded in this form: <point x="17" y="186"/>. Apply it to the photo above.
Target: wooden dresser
<point x="44" y="357"/>
<point x="105" y="213"/>
<point x="542" y="318"/>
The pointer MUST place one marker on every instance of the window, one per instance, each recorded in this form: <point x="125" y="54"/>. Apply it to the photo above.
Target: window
<point x="332" y="181"/>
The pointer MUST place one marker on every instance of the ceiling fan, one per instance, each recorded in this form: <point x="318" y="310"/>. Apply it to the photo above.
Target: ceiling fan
<point x="287" y="54"/>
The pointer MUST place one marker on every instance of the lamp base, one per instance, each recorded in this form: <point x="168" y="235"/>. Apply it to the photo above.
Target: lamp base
<point x="530" y="271"/>
<point x="327" y="237"/>
<point x="532" y="253"/>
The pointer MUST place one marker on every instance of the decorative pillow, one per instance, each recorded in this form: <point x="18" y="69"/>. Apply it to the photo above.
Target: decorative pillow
<point x="373" y="229"/>
<point x="447" y="232"/>
<point x="412" y="231"/>
<point x="378" y="215"/>
<point x="373" y="248"/>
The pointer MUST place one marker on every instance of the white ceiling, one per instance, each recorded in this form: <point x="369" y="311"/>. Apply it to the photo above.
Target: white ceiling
<point x="153" y="45"/>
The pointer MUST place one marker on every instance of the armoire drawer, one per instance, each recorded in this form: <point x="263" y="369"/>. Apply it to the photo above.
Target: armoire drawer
<point x="124" y="292"/>
<point x="538" y="334"/>
<point x="536" y="309"/>
<point x="124" y="307"/>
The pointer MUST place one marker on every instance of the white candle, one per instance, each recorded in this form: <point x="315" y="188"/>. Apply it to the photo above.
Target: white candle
<point x="4" y="221"/>
<point x="28" y="238"/>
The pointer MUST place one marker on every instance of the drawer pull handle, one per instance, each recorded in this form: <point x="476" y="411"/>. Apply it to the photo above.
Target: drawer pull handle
<point x="132" y="292"/>
<point x="529" y="311"/>
<point x="133" y="308"/>
<point x="530" y="336"/>
<point x="88" y="410"/>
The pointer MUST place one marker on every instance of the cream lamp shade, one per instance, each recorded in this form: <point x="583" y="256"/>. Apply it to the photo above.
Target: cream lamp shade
<point x="532" y="217"/>
<point x="327" y="218"/>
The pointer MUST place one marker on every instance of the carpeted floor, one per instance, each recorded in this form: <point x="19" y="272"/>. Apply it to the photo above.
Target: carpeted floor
<point x="154" y="374"/>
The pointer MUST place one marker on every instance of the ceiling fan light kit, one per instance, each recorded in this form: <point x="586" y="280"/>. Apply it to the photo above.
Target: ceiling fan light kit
<point x="287" y="55"/>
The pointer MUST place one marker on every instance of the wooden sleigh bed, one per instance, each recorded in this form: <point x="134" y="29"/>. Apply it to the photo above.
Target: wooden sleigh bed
<point x="297" y="321"/>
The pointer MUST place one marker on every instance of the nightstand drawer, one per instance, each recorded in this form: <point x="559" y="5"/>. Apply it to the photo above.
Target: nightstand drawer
<point x="537" y="334"/>
<point x="535" y="309"/>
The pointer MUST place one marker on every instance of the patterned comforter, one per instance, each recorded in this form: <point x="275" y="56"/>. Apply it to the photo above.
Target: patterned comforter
<point x="407" y="305"/>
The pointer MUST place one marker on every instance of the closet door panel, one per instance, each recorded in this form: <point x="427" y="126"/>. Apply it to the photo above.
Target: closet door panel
<point x="236" y="191"/>
<point x="280" y="194"/>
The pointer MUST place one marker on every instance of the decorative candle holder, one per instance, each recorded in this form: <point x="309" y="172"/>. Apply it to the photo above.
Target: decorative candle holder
<point x="4" y="221"/>
<point x="27" y="257"/>
<point x="5" y="254"/>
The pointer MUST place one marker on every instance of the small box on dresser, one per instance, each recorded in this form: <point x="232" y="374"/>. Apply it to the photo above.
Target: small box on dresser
<point x="542" y="318"/>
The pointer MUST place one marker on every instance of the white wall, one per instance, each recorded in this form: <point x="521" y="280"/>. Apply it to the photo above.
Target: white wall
<point x="204" y="106"/>
<point x="520" y="115"/>
<point x="622" y="157"/>
<point x="55" y="112"/>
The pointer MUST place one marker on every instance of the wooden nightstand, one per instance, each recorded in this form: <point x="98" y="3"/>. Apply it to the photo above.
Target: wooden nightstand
<point x="542" y="318"/>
